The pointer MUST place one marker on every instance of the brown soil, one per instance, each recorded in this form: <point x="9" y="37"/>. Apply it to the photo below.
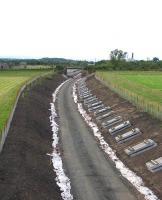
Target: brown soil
<point x="150" y="127"/>
<point x="26" y="172"/>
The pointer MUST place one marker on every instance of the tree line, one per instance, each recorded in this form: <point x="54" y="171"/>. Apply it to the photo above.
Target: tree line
<point x="59" y="63"/>
<point x="118" y="61"/>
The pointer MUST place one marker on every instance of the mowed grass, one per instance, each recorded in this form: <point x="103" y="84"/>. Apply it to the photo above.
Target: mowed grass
<point x="144" y="89"/>
<point x="34" y="67"/>
<point x="10" y="84"/>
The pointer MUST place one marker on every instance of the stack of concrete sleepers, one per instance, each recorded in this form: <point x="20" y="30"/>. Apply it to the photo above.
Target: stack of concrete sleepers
<point x="119" y="127"/>
<point x="140" y="147"/>
<point x="128" y="135"/>
<point x="154" y="165"/>
<point x="107" y="118"/>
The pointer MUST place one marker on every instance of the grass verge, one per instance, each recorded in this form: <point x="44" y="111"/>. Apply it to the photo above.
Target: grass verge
<point x="10" y="83"/>
<point x="144" y="89"/>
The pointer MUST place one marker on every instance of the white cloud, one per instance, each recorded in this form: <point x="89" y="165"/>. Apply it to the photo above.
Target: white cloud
<point x="83" y="29"/>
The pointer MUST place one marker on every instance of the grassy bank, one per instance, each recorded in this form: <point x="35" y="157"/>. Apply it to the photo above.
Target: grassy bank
<point x="10" y="83"/>
<point x="144" y="89"/>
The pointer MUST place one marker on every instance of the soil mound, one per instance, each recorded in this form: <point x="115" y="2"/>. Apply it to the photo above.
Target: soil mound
<point x="26" y="172"/>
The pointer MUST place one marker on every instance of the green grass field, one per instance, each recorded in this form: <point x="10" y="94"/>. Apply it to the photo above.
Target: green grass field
<point x="144" y="89"/>
<point x="10" y="84"/>
<point x="34" y="67"/>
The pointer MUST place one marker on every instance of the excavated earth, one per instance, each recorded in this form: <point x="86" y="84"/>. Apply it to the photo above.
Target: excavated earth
<point x="26" y="171"/>
<point x="150" y="127"/>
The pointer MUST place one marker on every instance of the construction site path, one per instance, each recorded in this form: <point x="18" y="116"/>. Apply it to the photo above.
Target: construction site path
<point x="92" y="174"/>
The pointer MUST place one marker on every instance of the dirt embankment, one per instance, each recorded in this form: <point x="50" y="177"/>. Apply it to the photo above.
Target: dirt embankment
<point x="26" y="172"/>
<point x="150" y="127"/>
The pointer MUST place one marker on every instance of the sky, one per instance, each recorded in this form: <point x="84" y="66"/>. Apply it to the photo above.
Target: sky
<point x="80" y="29"/>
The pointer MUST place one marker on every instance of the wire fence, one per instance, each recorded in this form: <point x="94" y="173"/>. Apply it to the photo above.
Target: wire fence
<point x="153" y="108"/>
<point x="5" y="130"/>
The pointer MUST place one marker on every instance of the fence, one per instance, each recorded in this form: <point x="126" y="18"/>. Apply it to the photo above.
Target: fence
<point x="5" y="131"/>
<point x="153" y="108"/>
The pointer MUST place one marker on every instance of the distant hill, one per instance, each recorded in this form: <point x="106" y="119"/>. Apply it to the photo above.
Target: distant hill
<point x="44" y="61"/>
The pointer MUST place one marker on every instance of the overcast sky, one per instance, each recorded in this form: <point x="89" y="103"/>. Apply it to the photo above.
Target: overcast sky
<point x="80" y="29"/>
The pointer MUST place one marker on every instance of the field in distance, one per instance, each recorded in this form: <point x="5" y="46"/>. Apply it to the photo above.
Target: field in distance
<point x="34" y="67"/>
<point x="143" y="88"/>
<point x="10" y="83"/>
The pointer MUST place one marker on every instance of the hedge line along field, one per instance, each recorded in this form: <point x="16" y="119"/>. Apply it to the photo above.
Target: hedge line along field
<point x="10" y="83"/>
<point x="144" y="89"/>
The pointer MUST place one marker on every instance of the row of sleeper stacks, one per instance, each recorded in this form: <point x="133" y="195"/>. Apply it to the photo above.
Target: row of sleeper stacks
<point x="114" y="124"/>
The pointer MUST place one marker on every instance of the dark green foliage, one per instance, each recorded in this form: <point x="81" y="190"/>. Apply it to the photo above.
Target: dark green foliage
<point x="118" y="62"/>
<point x="60" y="68"/>
<point x="155" y="59"/>
<point x="117" y="55"/>
<point x="44" y="61"/>
<point x="129" y="65"/>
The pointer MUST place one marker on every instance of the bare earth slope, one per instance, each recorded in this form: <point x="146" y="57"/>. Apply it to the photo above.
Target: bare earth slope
<point x="92" y="174"/>
<point x="26" y="172"/>
<point x="150" y="127"/>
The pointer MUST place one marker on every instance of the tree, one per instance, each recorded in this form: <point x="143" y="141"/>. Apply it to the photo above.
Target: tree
<point x="155" y="59"/>
<point x="117" y="55"/>
<point x="117" y="58"/>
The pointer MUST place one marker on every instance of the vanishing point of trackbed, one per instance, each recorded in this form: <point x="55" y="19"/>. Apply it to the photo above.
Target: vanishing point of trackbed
<point x="92" y="175"/>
